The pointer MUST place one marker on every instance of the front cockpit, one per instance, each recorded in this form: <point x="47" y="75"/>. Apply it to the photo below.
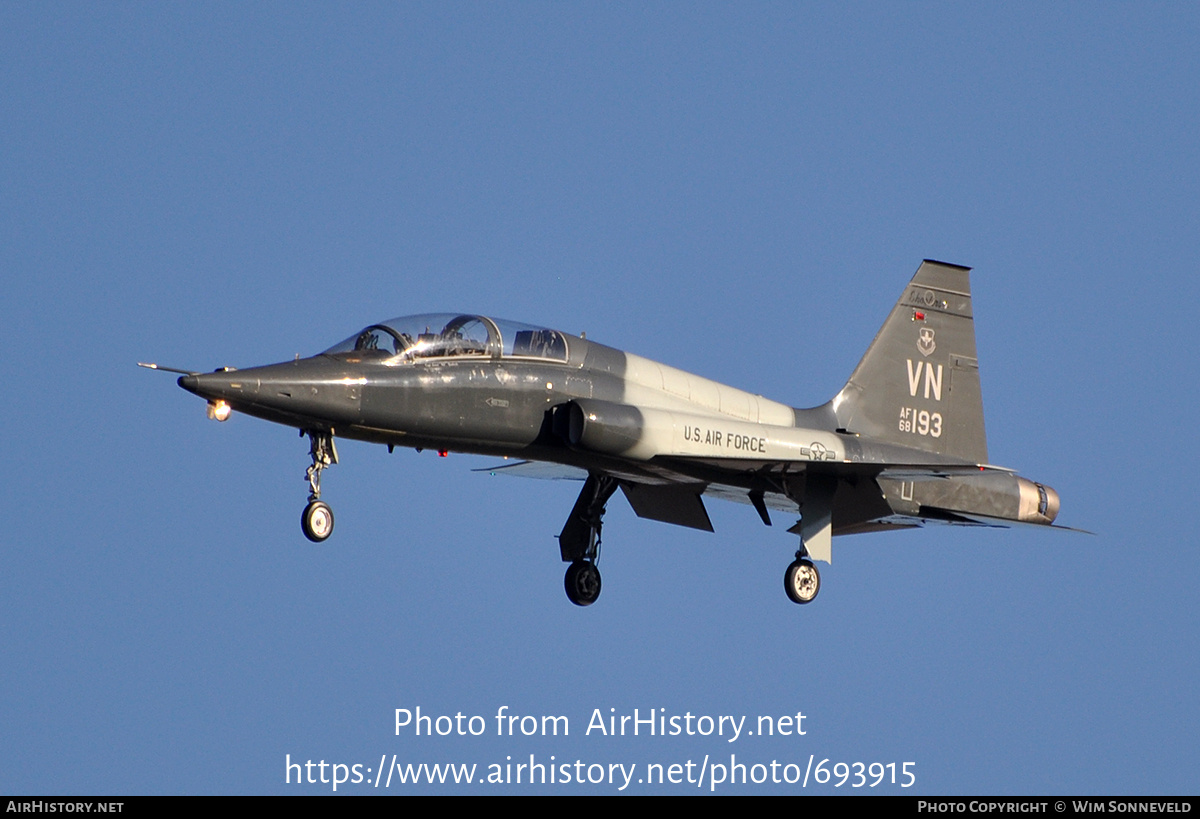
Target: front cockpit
<point x="408" y="339"/>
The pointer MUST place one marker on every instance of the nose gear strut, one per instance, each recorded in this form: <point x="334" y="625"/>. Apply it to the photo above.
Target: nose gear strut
<point x="317" y="518"/>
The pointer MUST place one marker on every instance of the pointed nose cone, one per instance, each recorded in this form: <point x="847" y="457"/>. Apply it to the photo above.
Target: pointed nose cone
<point x="305" y="392"/>
<point x="221" y="385"/>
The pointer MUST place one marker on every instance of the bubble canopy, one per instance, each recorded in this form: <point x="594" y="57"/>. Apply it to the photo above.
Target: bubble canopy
<point x="447" y="335"/>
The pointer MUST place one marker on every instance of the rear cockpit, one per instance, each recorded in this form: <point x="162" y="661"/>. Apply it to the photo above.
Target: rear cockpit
<point x="407" y="339"/>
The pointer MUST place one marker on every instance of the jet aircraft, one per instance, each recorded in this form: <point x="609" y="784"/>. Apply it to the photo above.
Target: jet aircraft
<point x="902" y="444"/>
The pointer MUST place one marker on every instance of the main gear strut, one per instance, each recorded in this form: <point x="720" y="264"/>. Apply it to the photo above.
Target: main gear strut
<point x="579" y="541"/>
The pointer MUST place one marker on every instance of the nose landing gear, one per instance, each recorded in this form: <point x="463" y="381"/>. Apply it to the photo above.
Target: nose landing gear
<point x="317" y="519"/>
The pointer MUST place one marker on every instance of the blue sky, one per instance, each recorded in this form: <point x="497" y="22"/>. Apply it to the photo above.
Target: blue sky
<point x="739" y="191"/>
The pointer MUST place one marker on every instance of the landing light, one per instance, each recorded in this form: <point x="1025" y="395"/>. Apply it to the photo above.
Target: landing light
<point x="219" y="410"/>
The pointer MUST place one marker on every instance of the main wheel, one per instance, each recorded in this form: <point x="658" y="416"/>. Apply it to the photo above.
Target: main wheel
<point x="582" y="583"/>
<point x="317" y="521"/>
<point x="802" y="581"/>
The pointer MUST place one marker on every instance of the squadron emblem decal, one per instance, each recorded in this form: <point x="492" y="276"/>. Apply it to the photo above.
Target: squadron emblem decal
<point x="925" y="345"/>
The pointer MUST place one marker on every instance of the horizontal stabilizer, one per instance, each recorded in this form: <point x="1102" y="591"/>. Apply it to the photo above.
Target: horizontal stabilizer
<point x="920" y="472"/>
<point x="1004" y="523"/>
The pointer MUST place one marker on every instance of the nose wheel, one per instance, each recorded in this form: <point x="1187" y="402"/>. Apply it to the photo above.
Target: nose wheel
<point x="317" y="518"/>
<point x="317" y="521"/>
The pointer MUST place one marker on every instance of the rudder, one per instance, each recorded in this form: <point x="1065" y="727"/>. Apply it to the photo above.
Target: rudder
<point x="918" y="383"/>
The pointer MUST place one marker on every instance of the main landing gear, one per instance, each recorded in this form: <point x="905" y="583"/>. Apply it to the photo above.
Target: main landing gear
<point x="580" y="539"/>
<point x="582" y="582"/>
<point x="802" y="581"/>
<point x="317" y="519"/>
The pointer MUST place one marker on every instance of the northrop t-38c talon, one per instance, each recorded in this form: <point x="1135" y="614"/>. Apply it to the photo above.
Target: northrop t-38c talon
<point x="901" y="445"/>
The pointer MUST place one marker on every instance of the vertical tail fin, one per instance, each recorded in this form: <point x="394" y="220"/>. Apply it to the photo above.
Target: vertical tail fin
<point x="918" y="383"/>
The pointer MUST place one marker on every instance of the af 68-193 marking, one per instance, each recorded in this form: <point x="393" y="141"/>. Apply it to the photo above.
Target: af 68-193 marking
<point x="920" y="422"/>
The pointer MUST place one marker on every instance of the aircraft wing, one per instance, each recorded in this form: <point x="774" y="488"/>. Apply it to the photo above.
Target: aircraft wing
<point x="542" y="470"/>
<point x="669" y="502"/>
<point x="879" y="494"/>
